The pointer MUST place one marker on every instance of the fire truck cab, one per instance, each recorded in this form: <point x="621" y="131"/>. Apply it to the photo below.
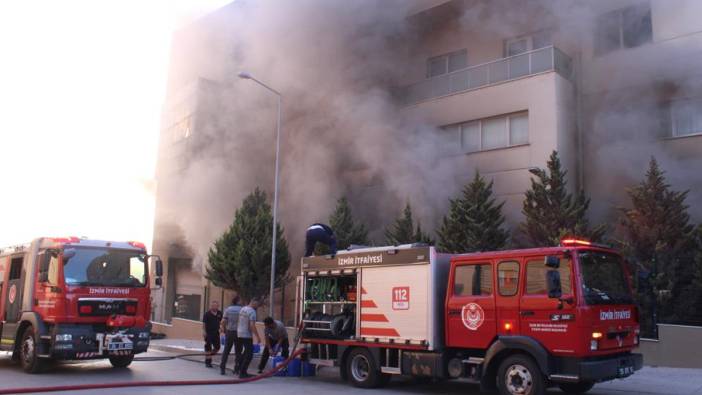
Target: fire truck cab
<point x="520" y="321"/>
<point x="75" y="299"/>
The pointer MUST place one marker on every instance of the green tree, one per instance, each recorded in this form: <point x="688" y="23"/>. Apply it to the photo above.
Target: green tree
<point x="474" y="221"/>
<point x="240" y="258"/>
<point x="347" y="230"/>
<point x="552" y="212"/>
<point x="403" y="230"/>
<point x="658" y="238"/>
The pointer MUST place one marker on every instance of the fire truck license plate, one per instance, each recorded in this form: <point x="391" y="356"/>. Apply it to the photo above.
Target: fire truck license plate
<point x="118" y="344"/>
<point x="625" y="371"/>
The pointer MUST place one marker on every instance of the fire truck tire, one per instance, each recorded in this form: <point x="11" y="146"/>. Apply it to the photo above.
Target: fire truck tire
<point x="122" y="361"/>
<point x="362" y="370"/>
<point x="520" y="375"/>
<point x="30" y="361"/>
<point x="576" y="388"/>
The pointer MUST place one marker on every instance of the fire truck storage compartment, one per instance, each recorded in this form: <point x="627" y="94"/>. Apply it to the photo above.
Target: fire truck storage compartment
<point x="330" y="305"/>
<point x="381" y="295"/>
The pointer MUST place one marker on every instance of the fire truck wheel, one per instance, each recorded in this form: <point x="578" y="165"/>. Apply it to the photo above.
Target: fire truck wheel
<point x="519" y="375"/>
<point x="31" y="363"/>
<point x="576" y="388"/>
<point x="121" y="362"/>
<point x="362" y="370"/>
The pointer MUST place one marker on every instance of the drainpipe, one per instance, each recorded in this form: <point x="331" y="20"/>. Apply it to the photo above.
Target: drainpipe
<point x="579" y="122"/>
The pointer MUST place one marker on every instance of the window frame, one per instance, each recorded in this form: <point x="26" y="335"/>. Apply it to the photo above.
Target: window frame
<point x="489" y="271"/>
<point x="529" y="42"/>
<point x="621" y="44"/>
<point x="519" y="273"/>
<point x="445" y="59"/>
<point x="507" y="118"/>
<point x="674" y="106"/>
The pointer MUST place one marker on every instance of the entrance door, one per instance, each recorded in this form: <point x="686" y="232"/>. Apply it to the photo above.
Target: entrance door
<point x="541" y="317"/>
<point x="471" y="306"/>
<point x="13" y="298"/>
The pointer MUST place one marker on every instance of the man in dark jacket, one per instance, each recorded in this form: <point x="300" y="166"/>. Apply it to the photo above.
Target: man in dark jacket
<point x="319" y="233"/>
<point x="210" y="331"/>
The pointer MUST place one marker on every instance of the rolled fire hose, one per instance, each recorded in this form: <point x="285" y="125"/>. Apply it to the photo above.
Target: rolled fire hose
<point x="164" y="383"/>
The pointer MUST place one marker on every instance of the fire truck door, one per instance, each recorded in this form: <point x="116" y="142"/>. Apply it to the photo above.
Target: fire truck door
<point x="13" y="298"/>
<point x="550" y="321"/>
<point x="471" y="306"/>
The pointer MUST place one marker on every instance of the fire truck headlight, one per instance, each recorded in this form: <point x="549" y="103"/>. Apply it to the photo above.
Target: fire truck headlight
<point x="593" y="345"/>
<point x="143" y="335"/>
<point x="64" y="337"/>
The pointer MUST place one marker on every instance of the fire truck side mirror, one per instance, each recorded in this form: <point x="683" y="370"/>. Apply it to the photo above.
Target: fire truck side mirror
<point x="553" y="282"/>
<point x="552" y="261"/>
<point x="159" y="267"/>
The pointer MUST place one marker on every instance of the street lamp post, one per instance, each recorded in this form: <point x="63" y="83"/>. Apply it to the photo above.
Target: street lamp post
<point x="247" y="76"/>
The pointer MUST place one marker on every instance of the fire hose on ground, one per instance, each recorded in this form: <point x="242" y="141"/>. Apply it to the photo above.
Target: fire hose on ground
<point x="160" y="383"/>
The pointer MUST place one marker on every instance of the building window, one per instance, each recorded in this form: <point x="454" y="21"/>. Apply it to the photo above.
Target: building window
<point x="473" y="280"/>
<point x="447" y="63"/>
<point x="686" y="117"/>
<point x="624" y="28"/>
<point x="489" y="133"/>
<point x="519" y="45"/>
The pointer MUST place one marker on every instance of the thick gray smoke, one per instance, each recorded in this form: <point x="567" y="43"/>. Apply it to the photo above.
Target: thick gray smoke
<point x="344" y="134"/>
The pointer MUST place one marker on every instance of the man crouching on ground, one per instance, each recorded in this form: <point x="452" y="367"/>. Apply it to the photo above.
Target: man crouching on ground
<point x="276" y="340"/>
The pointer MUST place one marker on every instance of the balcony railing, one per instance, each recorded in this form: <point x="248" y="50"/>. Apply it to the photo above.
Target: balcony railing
<point x="501" y="70"/>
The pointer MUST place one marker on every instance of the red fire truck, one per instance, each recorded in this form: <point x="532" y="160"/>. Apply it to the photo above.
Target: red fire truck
<point x="71" y="298"/>
<point x="520" y="321"/>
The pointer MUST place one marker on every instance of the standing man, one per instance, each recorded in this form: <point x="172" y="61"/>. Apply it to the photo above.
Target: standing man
<point x="246" y="331"/>
<point x="319" y="233"/>
<point x="276" y="340"/>
<point x="230" y="322"/>
<point x="210" y="331"/>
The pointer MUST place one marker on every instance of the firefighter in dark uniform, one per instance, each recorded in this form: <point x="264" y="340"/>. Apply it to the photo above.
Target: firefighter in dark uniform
<point x="210" y="331"/>
<point x="319" y="233"/>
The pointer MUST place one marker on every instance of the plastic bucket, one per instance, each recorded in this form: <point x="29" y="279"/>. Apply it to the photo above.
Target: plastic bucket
<point x="295" y="368"/>
<point x="308" y="369"/>
<point x="277" y="361"/>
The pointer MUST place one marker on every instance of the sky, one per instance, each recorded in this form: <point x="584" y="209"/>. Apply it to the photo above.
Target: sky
<point x="82" y="85"/>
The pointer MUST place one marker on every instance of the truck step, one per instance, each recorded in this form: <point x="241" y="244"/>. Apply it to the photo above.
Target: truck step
<point x="390" y="370"/>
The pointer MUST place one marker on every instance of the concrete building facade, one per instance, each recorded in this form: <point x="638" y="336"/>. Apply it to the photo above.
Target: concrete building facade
<point x="501" y="85"/>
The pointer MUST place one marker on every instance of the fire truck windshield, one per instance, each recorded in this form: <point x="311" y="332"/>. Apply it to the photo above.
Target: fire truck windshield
<point x="104" y="267"/>
<point x="604" y="281"/>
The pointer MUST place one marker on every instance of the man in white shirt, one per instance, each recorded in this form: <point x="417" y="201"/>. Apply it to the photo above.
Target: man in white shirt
<point x="230" y="323"/>
<point x="246" y="332"/>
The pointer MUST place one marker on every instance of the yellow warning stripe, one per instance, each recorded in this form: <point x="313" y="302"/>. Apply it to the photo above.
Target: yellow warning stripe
<point x="7" y="341"/>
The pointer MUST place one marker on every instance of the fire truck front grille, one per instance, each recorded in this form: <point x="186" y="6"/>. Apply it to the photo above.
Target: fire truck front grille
<point x="105" y="307"/>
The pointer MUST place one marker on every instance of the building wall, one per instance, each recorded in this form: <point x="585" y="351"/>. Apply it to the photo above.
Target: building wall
<point x="605" y="121"/>
<point x="546" y="97"/>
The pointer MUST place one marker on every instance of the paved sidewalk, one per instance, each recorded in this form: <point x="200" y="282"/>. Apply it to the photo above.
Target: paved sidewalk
<point x="187" y="346"/>
<point x="649" y="380"/>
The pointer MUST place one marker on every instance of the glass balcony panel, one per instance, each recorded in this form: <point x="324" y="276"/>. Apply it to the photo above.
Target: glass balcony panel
<point x="519" y="66"/>
<point x="477" y="76"/>
<point x="499" y="71"/>
<point x="458" y="81"/>
<point x="440" y="86"/>
<point x="541" y="60"/>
